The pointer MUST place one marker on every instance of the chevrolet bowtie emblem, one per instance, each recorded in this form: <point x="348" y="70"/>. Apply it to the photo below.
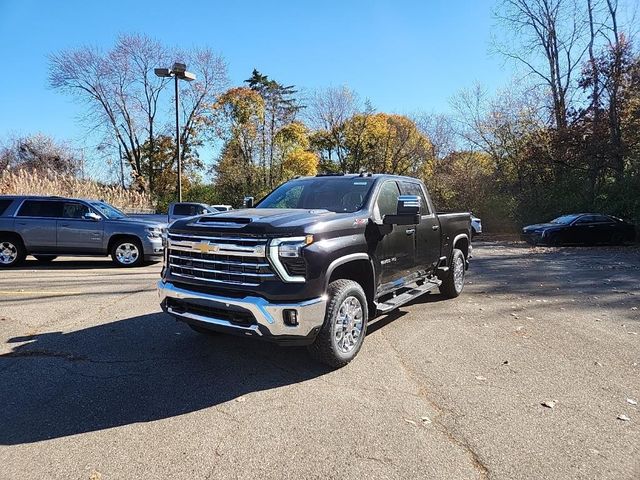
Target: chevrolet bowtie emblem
<point x="206" y="247"/>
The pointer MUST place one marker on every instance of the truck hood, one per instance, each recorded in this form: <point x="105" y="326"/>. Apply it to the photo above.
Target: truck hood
<point x="260" y="221"/>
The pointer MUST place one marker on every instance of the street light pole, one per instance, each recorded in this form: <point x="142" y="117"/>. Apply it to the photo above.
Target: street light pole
<point x="178" y="155"/>
<point x="178" y="72"/>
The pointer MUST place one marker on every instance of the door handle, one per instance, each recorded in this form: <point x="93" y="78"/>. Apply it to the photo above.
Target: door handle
<point x="410" y="231"/>
<point x="435" y="227"/>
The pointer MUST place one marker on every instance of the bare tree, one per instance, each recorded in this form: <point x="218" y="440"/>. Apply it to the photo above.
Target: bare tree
<point x="123" y="95"/>
<point x="440" y="131"/>
<point x="328" y="110"/>
<point x="547" y="37"/>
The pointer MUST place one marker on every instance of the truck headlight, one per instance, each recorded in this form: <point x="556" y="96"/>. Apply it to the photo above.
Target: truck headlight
<point x="291" y="247"/>
<point x="154" y="232"/>
<point x="287" y="248"/>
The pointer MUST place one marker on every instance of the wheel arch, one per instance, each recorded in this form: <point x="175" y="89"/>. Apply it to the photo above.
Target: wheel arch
<point x="9" y="233"/>
<point x="357" y="267"/>
<point x="461" y="242"/>
<point x="124" y="236"/>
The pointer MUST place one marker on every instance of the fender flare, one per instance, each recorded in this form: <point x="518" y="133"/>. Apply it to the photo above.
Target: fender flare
<point x="351" y="257"/>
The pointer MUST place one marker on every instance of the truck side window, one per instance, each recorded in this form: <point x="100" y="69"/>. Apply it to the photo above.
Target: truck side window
<point x="410" y="188"/>
<point x="387" y="202"/>
<point x="74" y="210"/>
<point x="40" y="208"/>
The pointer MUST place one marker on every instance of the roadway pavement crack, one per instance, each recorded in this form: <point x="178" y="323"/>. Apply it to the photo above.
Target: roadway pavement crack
<point x="46" y="354"/>
<point x="453" y="437"/>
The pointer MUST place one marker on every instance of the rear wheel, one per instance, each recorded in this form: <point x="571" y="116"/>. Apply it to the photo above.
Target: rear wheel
<point x="12" y="252"/>
<point x="345" y="325"/>
<point x="45" y="258"/>
<point x="127" y="252"/>
<point x="617" y="239"/>
<point x="453" y="279"/>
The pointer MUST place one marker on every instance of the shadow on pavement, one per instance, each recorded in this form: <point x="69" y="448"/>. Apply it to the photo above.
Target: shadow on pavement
<point x="72" y="263"/>
<point x="138" y="369"/>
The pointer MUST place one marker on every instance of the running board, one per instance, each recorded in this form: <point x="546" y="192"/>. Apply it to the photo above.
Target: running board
<point x="406" y="297"/>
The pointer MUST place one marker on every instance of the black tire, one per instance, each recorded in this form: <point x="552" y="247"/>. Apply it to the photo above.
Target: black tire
<point x="12" y="251"/>
<point x="45" y="258"/>
<point x="131" y="244"/>
<point x="202" y="330"/>
<point x="553" y="240"/>
<point x="449" y="287"/>
<point x="617" y="239"/>
<point x="325" y="348"/>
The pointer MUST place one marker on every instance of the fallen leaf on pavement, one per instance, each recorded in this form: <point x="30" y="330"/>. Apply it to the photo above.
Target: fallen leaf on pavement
<point x="549" y="403"/>
<point x="632" y="401"/>
<point x="623" y="417"/>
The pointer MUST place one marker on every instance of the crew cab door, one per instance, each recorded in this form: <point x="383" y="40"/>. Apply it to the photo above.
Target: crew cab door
<point x="427" y="232"/>
<point x="76" y="232"/>
<point x="396" y="250"/>
<point x="36" y="224"/>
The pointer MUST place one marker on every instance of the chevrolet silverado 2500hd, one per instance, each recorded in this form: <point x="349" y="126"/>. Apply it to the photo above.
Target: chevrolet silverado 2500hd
<point x="314" y="261"/>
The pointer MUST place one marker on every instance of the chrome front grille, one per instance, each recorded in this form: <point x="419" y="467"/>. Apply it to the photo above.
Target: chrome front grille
<point x="234" y="260"/>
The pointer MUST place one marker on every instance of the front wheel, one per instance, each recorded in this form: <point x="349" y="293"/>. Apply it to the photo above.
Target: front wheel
<point x="127" y="253"/>
<point x="453" y="279"/>
<point x="344" y="327"/>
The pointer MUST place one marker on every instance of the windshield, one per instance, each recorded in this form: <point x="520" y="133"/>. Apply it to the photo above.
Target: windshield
<point x="333" y="194"/>
<point x="565" y="219"/>
<point x="109" y="211"/>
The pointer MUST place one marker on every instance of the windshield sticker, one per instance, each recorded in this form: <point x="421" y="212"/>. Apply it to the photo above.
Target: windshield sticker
<point x="361" y="183"/>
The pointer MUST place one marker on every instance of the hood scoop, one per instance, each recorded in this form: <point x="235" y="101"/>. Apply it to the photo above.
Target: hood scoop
<point x="224" y="220"/>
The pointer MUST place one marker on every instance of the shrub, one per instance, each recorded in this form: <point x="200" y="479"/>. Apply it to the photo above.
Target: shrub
<point x="22" y="182"/>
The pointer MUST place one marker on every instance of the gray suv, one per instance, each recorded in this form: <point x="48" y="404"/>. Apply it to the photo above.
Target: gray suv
<point x="46" y="227"/>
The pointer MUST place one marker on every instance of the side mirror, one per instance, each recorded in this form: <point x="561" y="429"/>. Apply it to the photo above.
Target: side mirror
<point x="248" y="202"/>
<point x="407" y="211"/>
<point x="92" y="216"/>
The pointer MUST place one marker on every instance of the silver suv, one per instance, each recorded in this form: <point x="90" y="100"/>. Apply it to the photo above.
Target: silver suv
<point x="46" y="227"/>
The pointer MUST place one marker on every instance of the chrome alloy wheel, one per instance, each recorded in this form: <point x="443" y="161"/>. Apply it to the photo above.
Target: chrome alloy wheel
<point x="8" y="253"/>
<point x="348" y="325"/>
<point x="458" y="273"/>
<point x="127" y="253"/>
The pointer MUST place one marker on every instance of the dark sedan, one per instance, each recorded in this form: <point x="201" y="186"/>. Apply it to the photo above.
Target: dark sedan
<point x="580" y="228"/>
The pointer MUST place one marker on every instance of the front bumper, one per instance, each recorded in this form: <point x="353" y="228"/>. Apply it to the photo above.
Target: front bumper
<point x="532" y="238"/>
<point x="267" y="322"/>
<point x="153" y="249"/>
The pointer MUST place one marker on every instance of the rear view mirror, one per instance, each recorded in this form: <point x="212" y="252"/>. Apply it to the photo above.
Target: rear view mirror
<point x="248" y="202"/>
<point x="407" y="211"/>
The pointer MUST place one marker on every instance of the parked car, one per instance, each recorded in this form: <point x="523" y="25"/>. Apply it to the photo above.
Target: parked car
<point x="178" y="210"/>
<point x="222" y="208"/>
<point x="46" y="227"/>
<point x="314" y="261"/>
<point x="580" y="228"/>
<point x="476" y="225"/>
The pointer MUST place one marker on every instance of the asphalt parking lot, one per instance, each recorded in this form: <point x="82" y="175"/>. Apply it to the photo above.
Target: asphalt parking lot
<point x="96" y="383"/>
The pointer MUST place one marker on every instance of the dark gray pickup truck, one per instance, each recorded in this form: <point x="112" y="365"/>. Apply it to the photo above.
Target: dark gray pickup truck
<point x="314" y="261"/>
<point x="46" y="227"/>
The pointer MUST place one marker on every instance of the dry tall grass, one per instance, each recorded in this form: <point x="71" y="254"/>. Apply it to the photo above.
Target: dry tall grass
<point x="20" y="182"/>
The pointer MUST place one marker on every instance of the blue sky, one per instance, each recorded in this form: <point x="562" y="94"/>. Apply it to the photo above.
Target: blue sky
<point x="404" y="56"/>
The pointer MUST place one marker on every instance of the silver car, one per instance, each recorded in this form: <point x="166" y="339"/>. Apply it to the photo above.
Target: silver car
<point x="46" y="227"/>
